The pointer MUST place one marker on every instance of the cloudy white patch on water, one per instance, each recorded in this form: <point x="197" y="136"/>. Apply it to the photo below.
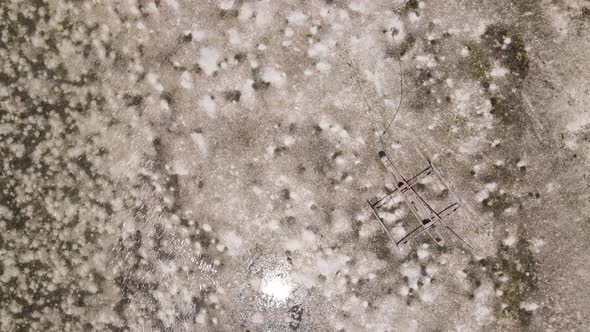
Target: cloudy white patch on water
<point x="182" y="165"/>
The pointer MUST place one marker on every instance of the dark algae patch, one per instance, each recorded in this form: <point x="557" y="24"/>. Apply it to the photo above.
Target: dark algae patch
<point x="508" y="108"/>
<point x="499" y="43"/>
<point x="513" y="272"/>
<point x="478" y="64"/>
<point x="518" y="264"/>
<point x="403" y="48"/>
<point x="505" y="44"/>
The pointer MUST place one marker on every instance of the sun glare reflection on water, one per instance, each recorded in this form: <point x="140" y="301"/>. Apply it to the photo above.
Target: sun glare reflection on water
<point x="277" y="286"/>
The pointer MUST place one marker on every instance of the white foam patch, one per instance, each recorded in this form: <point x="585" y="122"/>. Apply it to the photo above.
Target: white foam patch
<point x="398" y="232"/>
<point x="226" y="4"/>
<point x="323" y="67"/>
<point x="510" y="211"/>
<point x="427" y="294"/>
<point x="331" y="264"/>
<point x="180" y="168"/>
<point x="305" y="279"/>
<point x="358" y="6"/>
<point x="341" y="223"/>
<point x="200" y="142"/>
<point x="208" y="105"/>
<point x="245" y="13"/>
<point x="154" y="82"/>
<point x="258" y="318"/>
<point x="560" y="19"/>
<point x="234" y="37"/>
<point x="186" y="81"/>
<point x="289" y="140"/>
<point x="482" y="194"/>
<point x="499" y="71"/>
<point x="471" y="146"/>
<point x="297" y="18"/>
<point x="483" y="310"/>
<point x="391" y="218"/>
<point x="528" y="306"/>
<point x="536" y="245"/>
<point x="208" y="59"/>
<point x="411" y="270"/>
<point x="264" y="16"/>
<point x="396" y="23"/>
<point x="274" y="77"/>
<point x="334" y="130"/>
<point x="173" y="4"/>
<point x="318" y="50"/>
<point x="247" y="95"/>
<point x="510" y="241"/>
<point x="198" y="35"/>
<point x="423" y="254"/>
<point x="491" y="187"/>
<point x="368" y="229"/>
<point x="307" y="241"/>
<point x="368" y="265"/>
<point x="427" y="60"/>
<point x="233" y="243"/>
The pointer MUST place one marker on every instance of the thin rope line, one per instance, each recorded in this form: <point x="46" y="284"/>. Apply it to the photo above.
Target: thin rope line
<point x="372" y="116"/>
<point x="369" y="109"/>
<point x="401" y="97"/>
